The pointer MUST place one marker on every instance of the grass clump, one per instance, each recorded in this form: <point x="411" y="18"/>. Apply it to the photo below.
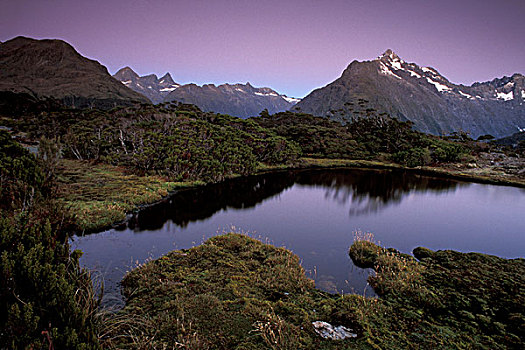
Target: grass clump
<point x="446" y="299"/>
<point x="232" y="292"/>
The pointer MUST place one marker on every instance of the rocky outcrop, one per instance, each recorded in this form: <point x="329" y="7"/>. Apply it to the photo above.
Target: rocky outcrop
<point x="327" y="331"/>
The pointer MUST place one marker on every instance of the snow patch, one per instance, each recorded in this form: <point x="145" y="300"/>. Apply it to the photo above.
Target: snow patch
<point x="520" y="129"/>
<point x="396" y="64"/>
<point x="509" y="85"/>
<point x="428" y="70"/>
<point x="240" y="90"/>
<point x="523" y="94"/>
<point x="168" y="89"/>
<point x="268" y="94"/>
<point x="291" y="99"/>
<point x="505" y="97"/>
<point x="467" y="95"/>
<point x="384" y="69"/>
<point x="439" y="87"/>
<point x="127" y="82"/>
<point x="414" y="74"/>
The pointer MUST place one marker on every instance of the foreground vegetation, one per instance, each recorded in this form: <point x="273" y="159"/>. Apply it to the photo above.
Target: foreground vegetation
<point x="234" y="292"/>
<point x="46" y="297"/>
<point x="93" y="167"/>
<point x="445" y="299"/>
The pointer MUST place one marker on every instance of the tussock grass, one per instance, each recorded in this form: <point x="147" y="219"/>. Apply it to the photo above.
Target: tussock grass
<point x="98" y="195"/>
<point x="445" y="300"/>
<point x="234" y="292"/>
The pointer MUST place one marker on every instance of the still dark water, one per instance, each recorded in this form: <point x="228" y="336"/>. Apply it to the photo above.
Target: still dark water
<point x="315" y="214"/>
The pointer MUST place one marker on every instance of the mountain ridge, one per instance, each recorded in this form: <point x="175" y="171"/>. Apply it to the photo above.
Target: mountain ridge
<point x="154" y="88"/>
<point x="241" y="100"/>
<point x="390" y="85"/>
<point x="53" y="68"/>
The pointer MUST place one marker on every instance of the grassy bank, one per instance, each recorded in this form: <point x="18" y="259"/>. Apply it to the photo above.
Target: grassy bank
<point x="99" y="195"/>
<point x="234" y="292"/>
<point x="461" y="171"/>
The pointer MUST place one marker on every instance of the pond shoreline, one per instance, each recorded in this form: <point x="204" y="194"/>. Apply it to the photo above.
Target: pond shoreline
<point x="322" y="163"/>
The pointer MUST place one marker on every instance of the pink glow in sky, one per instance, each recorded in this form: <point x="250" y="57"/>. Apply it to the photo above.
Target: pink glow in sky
<point x="290" y="46"/>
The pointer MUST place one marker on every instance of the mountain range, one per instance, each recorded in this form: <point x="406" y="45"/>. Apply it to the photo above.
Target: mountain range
<point x="240" y="100"/>
<point x="422" y="95"/>
<point x="52" y="68"/>
<point x="42" y="72"/>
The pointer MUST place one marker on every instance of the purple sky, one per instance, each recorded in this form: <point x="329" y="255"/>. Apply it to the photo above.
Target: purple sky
<point x="290" y="46"/>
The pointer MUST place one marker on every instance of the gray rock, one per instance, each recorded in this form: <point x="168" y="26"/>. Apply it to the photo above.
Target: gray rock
<point x="327" y="331"/>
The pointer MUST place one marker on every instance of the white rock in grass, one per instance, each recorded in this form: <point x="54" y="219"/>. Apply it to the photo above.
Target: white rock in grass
<point x="327" y="331"/>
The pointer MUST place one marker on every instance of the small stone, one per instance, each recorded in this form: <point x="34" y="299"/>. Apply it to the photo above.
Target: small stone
<point x="327" y="331"/>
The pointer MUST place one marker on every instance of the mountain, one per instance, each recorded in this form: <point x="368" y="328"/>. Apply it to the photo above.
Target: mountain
<point x="54" y="69"/>
<point x="150" y="86"/>
<point x="240" y="100"/>
<point x="422" y="95"/>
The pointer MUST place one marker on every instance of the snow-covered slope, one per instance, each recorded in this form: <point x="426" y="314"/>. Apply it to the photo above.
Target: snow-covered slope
<point x="388" y="84"/>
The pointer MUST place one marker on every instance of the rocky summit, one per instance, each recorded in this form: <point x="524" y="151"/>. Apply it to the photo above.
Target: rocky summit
<point x="154" y="88"/>
<point x="388" y="84"/>
<point x="54" y="69"/>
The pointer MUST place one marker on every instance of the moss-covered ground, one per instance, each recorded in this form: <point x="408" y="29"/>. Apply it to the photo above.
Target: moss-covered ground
<point x="234" y="292"/>
<point x="444" y="299"/>
<point x="98" y="195"/>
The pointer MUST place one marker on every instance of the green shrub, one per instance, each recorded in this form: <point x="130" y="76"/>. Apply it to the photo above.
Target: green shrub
<point x="42" y="287"/>
<point x="413" y="157"/>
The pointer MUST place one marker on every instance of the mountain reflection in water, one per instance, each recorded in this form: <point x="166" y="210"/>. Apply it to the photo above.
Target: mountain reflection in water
<point x="314" y="214"/>
<point x="368" y="191"/>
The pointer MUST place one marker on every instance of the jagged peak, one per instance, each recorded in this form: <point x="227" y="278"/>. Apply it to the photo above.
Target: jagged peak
<point x="126" y="72"/>
<point x="389" y="54"/>
<point x="167" y="78"/>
